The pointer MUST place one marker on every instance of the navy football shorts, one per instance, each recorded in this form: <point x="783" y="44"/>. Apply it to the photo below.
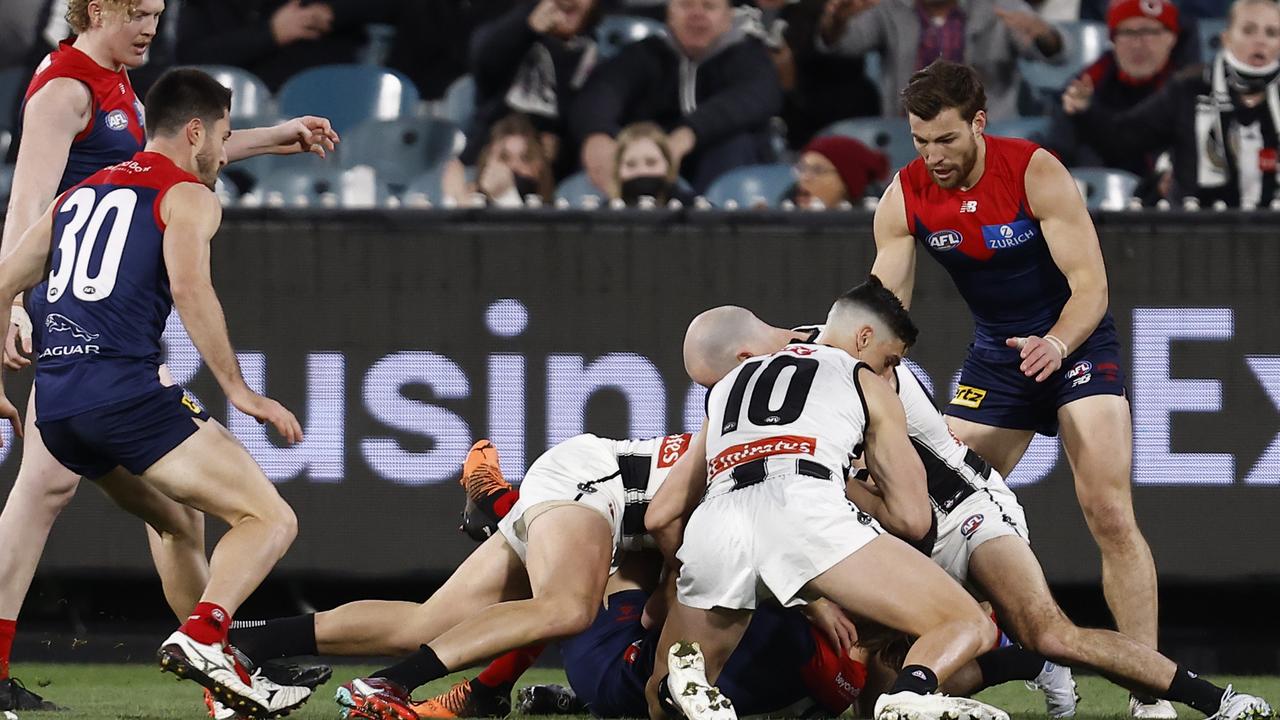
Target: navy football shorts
<point x="132" y="434"/>
<point x="993" y="391"/>
<point x="608" y="664"/>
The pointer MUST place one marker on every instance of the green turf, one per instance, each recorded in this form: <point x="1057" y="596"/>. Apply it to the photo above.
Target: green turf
<point x="139" y="692"/>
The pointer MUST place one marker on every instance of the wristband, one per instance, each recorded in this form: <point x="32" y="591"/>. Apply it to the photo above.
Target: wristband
<point x="1057" y="343"/>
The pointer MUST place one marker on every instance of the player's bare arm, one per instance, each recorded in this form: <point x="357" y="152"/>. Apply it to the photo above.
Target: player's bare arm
<point x="1073" y="244"/>
<point x="299" y="135"/>
<point x="674" y="502"/>
<point x="21" y="269"/>
<point x="895" y="263"/>
<point x="893" y="461"/>
<point x="52" y="119"/>
<point x="192" y="214"/>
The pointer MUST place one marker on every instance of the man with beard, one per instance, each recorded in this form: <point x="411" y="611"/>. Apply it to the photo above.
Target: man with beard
<point x="102" y="409"/>
<point x="1005" y="219"/>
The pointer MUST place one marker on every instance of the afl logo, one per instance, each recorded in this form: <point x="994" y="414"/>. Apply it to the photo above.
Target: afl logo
<point x="971" y="524"/>
<point x="117" y="120"/>
<point x="943" y="240"/>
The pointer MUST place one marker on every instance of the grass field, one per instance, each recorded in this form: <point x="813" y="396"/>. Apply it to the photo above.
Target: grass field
<point x="141" y="692"/>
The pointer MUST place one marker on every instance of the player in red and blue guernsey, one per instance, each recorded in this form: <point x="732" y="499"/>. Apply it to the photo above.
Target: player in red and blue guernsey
<point x="80" y="114"/>
<point x="1006" y="220"/>
<point x="133" y="242"/>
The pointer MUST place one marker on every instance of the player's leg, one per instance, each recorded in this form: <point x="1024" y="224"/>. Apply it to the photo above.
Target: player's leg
<point x="1007" y="570"/>
<point x="888" y="582"/>
<point x="1002" y="447"/>
<point x="689" y="675"/>
<point x="175" y="533"/>
<point x="1097" y="435"/>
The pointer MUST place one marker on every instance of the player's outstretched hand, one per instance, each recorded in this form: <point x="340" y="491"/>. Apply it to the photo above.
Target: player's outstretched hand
<point x="832" y="622"/>
<point x="19" y="332"/>
<point x="307" y="133"/>
<point x="1040" y="357"/>
<point x="9" y="412"/>
<point x="265" y="410"/>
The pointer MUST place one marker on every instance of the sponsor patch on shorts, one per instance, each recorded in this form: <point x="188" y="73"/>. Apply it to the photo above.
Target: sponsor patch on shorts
<point x="971" y="524"/>
<point x="968" y="396"/>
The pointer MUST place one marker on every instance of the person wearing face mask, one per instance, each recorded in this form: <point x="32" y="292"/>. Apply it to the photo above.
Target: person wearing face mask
<point x="834" y="170"/>
<point x="513" y="165"/>
<point x="644" y="167"/>
<point x="712" y="88"/>
<point x="1220" y="122"/>
<point x="533" y="60"/>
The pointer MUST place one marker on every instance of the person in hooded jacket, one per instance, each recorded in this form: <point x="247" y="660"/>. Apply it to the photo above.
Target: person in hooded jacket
<point x="712" y="87"/>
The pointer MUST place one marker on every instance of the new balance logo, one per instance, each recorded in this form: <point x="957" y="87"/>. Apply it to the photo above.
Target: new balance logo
<point x="969" y="206"/>
<point x="919" y="674"/>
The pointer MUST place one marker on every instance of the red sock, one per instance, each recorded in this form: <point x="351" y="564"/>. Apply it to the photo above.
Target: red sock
<point x="7" y="629"/>
<point x="508" y="668"/>
<point x="207" y="624"/>
<point x="502" y="505"/>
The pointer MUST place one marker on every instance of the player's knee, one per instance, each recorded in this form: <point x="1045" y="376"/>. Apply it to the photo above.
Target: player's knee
<point x="1110" y="522"/>
<point x="48" y="491"/>
<point x="1054" y="639"/>
<point x="281" y="521"/>
<point x="567" y="616"/>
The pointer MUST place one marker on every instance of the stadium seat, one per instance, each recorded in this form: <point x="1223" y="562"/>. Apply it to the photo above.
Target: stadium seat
<point x="751" y="185"/>
<point x="890" y="136"/>
<point x="348" y="95"/>
<point x="251" y="104"/>
<point x="6" y="179"/>
<point x="427" y="186"/>
<point x="400" y="149"/>
<point x="616" y="31"/>
<point x="1027" y="128"/>
<point x="1086" y="41"/>
<point x="1105" y="188"/>
<point x="577" y="187"/>
<point x="1210" y="30"/>
<point x="460" y="102"/>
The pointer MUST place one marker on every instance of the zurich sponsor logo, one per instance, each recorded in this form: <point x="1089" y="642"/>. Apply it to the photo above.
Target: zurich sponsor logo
<point x="1009" y="235"/>
<point x="943" y="240"/>
<point x="117" y="120"/>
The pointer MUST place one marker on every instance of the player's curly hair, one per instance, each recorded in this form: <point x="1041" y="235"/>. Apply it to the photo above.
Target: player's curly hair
<point x="78" y="12"/>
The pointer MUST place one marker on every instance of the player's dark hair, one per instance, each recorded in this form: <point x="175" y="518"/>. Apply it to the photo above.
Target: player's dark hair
<point x="181" y="95"/>
<point x="880" y="300"/>
<point x="944" y="85"/>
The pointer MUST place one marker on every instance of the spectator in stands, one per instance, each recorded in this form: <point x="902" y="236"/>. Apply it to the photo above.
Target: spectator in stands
<point x="513" y="165"/>
<point x="710" y="86"/>
<point x="990" y="35"/>
<point x="644" y="167"/>
<point x="819" y="88"/>
<point x="1218" y="121"/>
<point x="1144" y="34"/>
<point x="833" y="170"/>
<point x="274" y="39"/>
<point x="533" y="60"/>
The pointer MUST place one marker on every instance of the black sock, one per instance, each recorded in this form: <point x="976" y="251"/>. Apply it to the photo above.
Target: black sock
<point x="1009" y="663"/>
<point x="264" y="640"/>
<point x="917" y="679"/>
<point x="418" y="669"/>
<point x="1191" y="689"/>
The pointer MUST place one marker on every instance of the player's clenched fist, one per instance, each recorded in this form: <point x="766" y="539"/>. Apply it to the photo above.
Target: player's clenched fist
<point x="265" y="410"/>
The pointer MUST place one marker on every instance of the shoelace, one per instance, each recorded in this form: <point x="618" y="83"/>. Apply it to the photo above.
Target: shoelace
<point x="455" y="701"/>
<point x="483" y="481"/>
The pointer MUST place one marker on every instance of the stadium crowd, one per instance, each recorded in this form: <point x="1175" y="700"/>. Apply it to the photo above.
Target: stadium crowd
<point x="509" y="102"/>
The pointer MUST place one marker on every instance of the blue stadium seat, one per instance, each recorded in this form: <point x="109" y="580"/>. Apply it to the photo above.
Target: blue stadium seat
<point x="312" y="185"/>
<point x="402" y="149"/>
<point x="460" y="101"/>
<point x="1086" y="41"/>
<point x="751" y="185"/>
<point x="1210" y="30"/>
<point x="428" y="185"/>
<point x="1027" y="128"/>
<point x="577" y="187"/>
<point x="251" y="104"/>
<point x="6" y="179"/>
<point x="890" y="136"/>
<point x="348" y="95"/>
<point x="1105" y="188"/>
<point x="617" y="31"/>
